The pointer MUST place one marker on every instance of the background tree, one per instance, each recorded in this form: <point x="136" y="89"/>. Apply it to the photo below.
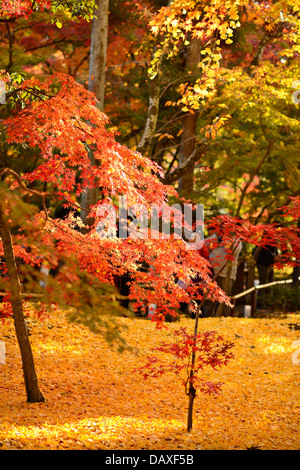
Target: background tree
<point x="246" y="40"/>
<point x="97" y="86"/>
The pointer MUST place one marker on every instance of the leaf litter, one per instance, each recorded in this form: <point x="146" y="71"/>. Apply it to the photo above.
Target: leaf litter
<point x="95" y="401"/>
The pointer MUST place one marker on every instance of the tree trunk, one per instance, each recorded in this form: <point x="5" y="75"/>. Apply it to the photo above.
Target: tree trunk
<point x="187" y="146"/>
<point x="96" y="85"/>
<point x="153" y="108"/>
<point x="98" y="51"/>
<point x="191" y="389"/>
<point x="31" y="384"/>
<point x="296" y="270"/>
<point x="296" y="275"/>
<point x="89" y="198"/>
<point x="189" y="124"/>
<point x="192" y="395"/>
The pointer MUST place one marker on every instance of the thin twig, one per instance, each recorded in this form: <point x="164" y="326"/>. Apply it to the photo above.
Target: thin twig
<point x="42" y="194"/>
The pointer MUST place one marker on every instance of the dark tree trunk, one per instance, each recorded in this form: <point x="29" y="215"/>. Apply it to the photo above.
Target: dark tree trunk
<point x="31" y="383"/>
<point x="296" y="270"/>
<point x="186" y="182"/>
<point x="192" y="395"/>
<point x="189" y="124"/>
<point x="191" y="389"/>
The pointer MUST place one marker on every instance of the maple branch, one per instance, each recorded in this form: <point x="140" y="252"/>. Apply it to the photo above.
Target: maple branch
<point x="29" y="90"/>
<point x="46" y="212"/>
<point x="171" y="147"/>
<point x="177" y="117"/>
<point x="267" y="37"/>
<point x="45" y="45"/>
<point x="42" y="93"/>
<point x="259" y="51"/>
<point x="264" y="208"/>
<point x="233" y="247"/>
<point x="21" y="183"/>
<point x="182" y="169"/>
<point x="175" y="157"/>
<point x="78" y="237"/>
<point x="80" y="64"/>
<point x="263" y="128"/>
<point x="253" y="174"/>
<point x="189" y="76"/>
<point x="42" y="194"/>
<point x="8" y="20"/>
<point x="81" y="128"/>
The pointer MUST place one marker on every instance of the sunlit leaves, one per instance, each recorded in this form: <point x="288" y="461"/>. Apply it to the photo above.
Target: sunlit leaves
<point x="207" y="22"/>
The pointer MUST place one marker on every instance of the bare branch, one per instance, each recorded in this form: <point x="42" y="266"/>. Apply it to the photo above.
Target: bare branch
<point x="253" y="174"/>
<point x="182" y="169"/>
<point x="42" y="194"/>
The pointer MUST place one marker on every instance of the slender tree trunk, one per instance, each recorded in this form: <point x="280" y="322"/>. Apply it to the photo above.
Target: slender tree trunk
<point x="187" y="146"/>
<point x="97" y="86"/>
<point x="98" y="51"/>
<point x="296" y="270"/>
<point x="296" y="275"/>
<point x="153" y="108"/>
<point x="144" y="144"/>
<point x="192" y="396"/>
<point x="189" y="124"/>
<point x="31" y="383"/>
<point x="191" y="389"/>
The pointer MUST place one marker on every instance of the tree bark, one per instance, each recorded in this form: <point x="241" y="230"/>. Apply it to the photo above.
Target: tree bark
<point x="153" y="108"/>
<point x="192" y="396"/>
<point x="98" y="51"/>
<point x="296" y="270"/>
<point x="189" y="124"/>
<point x="31" y="383"/>
<point x="191" y="389"/>
<point x="89" y="198"/>
<point x="96" y="85"/>
<point x="181" y="170"/>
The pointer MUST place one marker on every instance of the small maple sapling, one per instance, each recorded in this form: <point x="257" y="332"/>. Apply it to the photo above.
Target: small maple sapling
<point x="190" y="355"/>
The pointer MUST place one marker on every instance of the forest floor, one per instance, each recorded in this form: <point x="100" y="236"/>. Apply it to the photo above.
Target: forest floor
<point x="94" y="400"/>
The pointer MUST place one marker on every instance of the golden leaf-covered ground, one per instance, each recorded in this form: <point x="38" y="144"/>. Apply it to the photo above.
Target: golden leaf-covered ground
<point x="95" y="401"/>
